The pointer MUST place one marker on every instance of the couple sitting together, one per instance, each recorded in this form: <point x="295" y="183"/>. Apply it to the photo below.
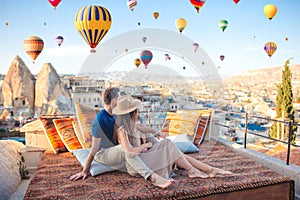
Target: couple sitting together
<point x="117" y="138"/>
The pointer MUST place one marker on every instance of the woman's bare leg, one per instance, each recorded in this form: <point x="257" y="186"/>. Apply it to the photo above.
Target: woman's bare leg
<point x="192" y="171"/>
<point x="160" y="181"/>
<point x="212" y="171"/>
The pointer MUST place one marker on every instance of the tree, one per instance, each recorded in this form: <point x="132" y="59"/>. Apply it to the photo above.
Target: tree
<point x="284" y="104"/>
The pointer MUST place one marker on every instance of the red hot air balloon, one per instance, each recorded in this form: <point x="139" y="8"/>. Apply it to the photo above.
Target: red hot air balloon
<point x="197" y="4"/>
<point x="54" y="3"/>
<point x="146" y="57"/>
<point x="236" y="1"/>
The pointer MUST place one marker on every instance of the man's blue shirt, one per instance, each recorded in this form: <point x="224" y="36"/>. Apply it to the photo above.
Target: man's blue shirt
<point x="103" y="127"/>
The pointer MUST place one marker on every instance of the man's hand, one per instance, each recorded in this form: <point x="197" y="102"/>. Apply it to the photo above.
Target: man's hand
<point x="79" y="175"/>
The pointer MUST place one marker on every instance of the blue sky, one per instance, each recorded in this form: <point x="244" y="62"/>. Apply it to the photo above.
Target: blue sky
<point x="242" y="42"/>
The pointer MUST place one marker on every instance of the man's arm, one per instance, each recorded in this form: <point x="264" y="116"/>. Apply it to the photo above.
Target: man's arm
<point x="85" y="171"/>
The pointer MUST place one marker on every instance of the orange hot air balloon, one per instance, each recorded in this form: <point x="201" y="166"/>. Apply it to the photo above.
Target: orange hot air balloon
<point x="33" y="46"/>
<point x="137" y="62"/>
<point x="270" y="48"/>
<point x="270" y="11"/>
<point x="156" y="15"/>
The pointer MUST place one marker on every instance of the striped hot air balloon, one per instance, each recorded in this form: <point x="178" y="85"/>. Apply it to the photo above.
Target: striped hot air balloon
<point x="146" y="57"/>
<point x="93" y="22"/>
<point x="33" y="45"/>
<point x="131" y="4"/>
<point x="270" y="48"/>
<point x="197" y="4"/>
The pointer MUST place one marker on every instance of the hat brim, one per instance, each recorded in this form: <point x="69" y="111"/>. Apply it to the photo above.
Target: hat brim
<point x="136" y="104"/>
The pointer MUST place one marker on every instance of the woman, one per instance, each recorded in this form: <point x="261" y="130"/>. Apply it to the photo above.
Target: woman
<point x="161" y="156"/>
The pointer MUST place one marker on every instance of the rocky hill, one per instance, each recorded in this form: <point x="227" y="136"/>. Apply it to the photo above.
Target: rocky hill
<point x="266" y="77"/>
<point x="44" y="94"/>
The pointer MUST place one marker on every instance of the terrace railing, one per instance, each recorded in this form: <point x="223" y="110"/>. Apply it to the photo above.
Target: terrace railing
<point x="288" y="127"/>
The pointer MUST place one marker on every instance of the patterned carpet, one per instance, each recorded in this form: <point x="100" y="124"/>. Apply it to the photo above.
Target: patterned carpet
<point x="51" y="180"/>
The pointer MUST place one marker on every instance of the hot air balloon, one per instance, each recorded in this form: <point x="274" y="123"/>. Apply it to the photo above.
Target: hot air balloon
<point x="270" y="11"/>
<point x="146" y="56"/>
<point x="93" y="22"/>
<point x="222" y="57"/>
<point x="203" y="62"/>
<point x="236" y="1"/>
<point x="144" y="39"/>
<point x="54" y="3"/>
<point x="195" y="46"/>
<point x="286" y="39"/>
<point x="197" y="4"/>
<point x="180" y="24"/>
<point x="223" y="24"/>
<point x="131" y="4"/>
<point x="59" y="40"/>
<point x="156" y="15"/>
<point x="167" y="56"/>
<point x="270" y="48"/>
<point x="137" y="62"/>
<point x="6" y="23"/>
<point x="33" y="45"/>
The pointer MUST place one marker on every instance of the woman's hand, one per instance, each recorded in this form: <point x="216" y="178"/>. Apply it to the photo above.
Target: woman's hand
<point x="160" y="135"/>
<point x="147" y="146"/>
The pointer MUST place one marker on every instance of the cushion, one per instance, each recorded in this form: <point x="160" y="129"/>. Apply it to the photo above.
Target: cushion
<point x="181" y="122"/>
<point x="184" y="143"/>
<point x="67" y="134"/>
<point x="96" y="168"/>
<point x="183" y="116"/>
<point x="79" y="134"/>
<point x="85" y="116"/>
<point x="52" y="135"/>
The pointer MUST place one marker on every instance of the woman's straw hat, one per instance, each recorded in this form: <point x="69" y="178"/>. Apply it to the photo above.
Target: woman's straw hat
<point x="126" y="104"/>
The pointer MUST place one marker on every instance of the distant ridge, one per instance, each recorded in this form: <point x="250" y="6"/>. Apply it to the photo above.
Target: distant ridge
<point x="266" y="75"/>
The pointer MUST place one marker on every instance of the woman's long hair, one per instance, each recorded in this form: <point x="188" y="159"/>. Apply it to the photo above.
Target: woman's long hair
<point x="127" y="121"/>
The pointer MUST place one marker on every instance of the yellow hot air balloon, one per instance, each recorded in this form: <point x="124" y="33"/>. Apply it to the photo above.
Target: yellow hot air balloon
<point x="137" y="62"/>
<point x="33" y="45"/>
<point x="270" y="11"/>
<point x="92" y="23"/>
<point x="156" y="15"/>
<point x="270" y="48"/>
<point x="180" y="24"/>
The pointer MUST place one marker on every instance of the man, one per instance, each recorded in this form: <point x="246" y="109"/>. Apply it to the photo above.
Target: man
<point x="110" y="154"/>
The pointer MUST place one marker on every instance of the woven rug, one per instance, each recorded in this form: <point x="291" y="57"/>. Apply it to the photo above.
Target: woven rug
<point x="51" y="180"/>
